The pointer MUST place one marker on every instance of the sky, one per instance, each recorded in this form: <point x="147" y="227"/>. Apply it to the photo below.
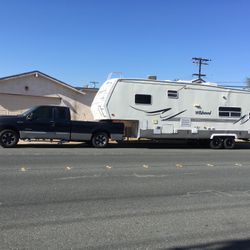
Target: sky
<point x="81" y="41"/>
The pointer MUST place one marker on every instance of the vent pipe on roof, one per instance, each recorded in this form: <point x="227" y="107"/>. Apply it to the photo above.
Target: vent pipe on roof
<point x="152" y="77"/>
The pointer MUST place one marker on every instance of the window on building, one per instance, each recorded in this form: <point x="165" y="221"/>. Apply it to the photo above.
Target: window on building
<point x="143" y="99"/>
<point x="172" y="94"/>
<point x="229" y="111"/>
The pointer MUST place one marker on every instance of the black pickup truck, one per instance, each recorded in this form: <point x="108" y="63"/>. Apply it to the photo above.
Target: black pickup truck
<point x="54" y="123"/>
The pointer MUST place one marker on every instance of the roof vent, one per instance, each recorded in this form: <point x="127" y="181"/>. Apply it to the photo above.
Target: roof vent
<point x="152" y="77"/>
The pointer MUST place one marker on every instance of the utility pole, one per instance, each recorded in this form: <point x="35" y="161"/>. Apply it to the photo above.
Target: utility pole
<point x="94" y="83"/>
<point x="200" y="61"/>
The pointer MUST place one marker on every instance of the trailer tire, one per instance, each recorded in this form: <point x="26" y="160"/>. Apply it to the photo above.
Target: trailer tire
<point x="9" y="138"/>
<point x="229" y="143"/>
<point x="216" y="143"/>
<point x="100" y="140"/>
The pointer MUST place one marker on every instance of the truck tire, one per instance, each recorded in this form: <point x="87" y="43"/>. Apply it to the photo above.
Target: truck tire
<point x="229" y="143"/>
<point x="216" y="143"/>
<point x="100" y="140"/>
<point x="9" y="138"/>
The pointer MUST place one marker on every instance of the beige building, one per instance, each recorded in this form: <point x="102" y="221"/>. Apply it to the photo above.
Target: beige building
<point x="20" y="92"/>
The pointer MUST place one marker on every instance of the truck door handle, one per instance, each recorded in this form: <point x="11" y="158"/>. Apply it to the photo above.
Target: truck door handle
<point x="52" y="123"/>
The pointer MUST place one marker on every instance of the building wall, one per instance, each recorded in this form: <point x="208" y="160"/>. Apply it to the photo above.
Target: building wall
<point x="20" y="93"/>
<point x="15" y="104"/>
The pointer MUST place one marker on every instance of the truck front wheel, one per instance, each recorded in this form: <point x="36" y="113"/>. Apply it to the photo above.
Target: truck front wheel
<point x="100" y="140"/>
<point x="8" y="138"/>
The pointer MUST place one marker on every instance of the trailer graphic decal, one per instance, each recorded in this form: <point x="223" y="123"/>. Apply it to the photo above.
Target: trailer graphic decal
<point x="155" y="112"/>
<point x="243" y="120"/>
<point x="160" y="112"/>
<point x="240" y="119"/>
<point x="172" y="116"/>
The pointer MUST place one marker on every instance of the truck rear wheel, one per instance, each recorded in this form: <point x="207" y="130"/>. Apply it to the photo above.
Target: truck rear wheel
<point x="9" y="138"/>
<point x="216" y="143"/>
<point x="229" y="143"/>
<point x="100" y="140"/>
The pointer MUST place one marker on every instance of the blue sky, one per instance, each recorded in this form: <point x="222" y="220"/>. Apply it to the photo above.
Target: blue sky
<point x="78" y="41"/>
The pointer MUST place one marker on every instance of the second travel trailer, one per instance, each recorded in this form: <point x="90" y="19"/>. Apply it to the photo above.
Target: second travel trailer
<point x="175" y="110"/>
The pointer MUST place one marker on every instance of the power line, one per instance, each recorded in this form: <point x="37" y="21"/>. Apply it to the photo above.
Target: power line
<point x="229" y="82"/>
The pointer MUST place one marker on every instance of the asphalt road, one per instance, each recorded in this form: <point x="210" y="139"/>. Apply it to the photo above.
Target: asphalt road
<point x="133" y="197"/>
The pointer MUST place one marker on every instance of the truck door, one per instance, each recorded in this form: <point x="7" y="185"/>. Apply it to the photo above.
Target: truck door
<point x="62" y="125"/>
<point x="39" y="124"/>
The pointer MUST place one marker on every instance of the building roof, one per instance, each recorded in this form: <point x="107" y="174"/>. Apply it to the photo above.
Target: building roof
<point x="36" y="73"/>
<point x="83" y="89"/>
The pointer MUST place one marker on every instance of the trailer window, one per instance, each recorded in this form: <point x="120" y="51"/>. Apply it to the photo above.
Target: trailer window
<point x="229" y="111"/>
<point x="172" y="94"/>
<point x="143" y="99"/>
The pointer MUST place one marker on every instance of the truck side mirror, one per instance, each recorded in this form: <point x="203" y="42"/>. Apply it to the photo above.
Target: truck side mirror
<point x="30" y="117"/>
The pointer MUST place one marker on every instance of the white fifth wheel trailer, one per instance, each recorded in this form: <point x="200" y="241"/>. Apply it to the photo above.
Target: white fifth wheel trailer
<point x="175" y="110"/>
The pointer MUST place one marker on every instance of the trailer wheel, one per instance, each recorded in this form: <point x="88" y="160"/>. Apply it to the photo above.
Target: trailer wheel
<point x="9" y="138"/>
<point x="100" y="140"/>
<point x="216" y="143"/>
<point x="229" y="143"/>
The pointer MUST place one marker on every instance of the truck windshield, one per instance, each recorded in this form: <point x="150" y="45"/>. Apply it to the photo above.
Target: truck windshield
<point x="28" y="111"/>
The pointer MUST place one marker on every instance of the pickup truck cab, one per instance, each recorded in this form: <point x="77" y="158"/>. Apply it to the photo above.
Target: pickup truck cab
<point x="54" y="123"/>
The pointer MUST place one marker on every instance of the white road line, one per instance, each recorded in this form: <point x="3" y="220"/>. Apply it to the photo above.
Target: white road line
<point x="150" y="175"/>
<point x="77" y="177"/>
<point x="124" y="175"/>
<point x="189" y="173"/>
